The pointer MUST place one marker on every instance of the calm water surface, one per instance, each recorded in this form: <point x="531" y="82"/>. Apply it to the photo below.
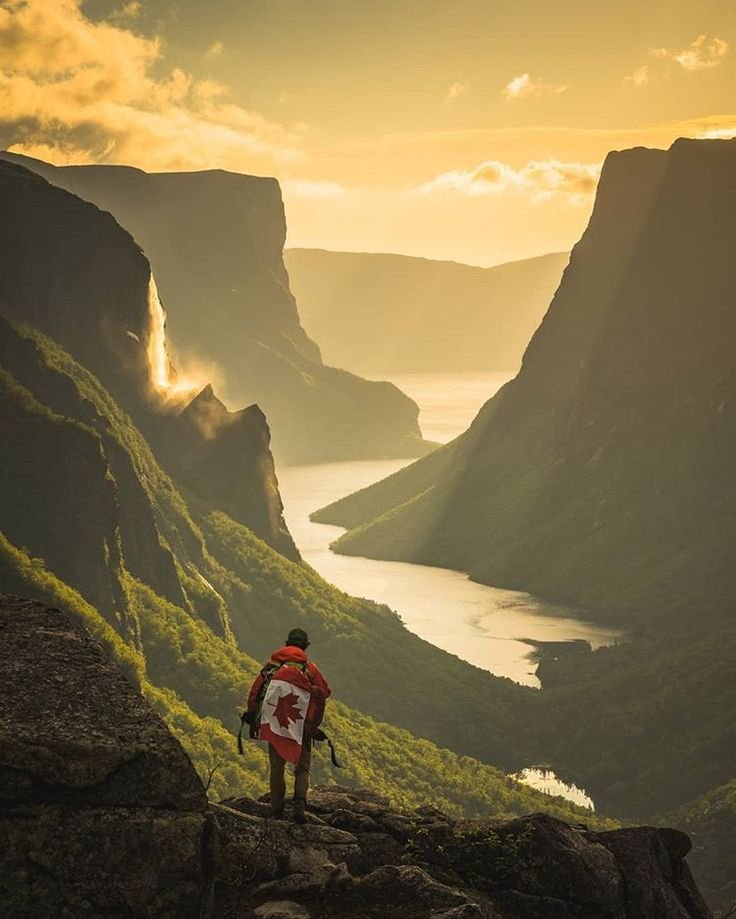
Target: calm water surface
<point x="483" y="625"/>
<point x="546" y="781"/>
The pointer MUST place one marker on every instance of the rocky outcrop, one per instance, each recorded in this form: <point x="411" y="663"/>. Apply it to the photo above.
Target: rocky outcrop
<point x="70" y="271"/>
<point x="204" y="446"/>
<point x="393" y="314"/>
<point x="359" y="858"/>
<point x="215" y="241"/>
<point x="603" y="474"/>
<point x="101" y="811"/>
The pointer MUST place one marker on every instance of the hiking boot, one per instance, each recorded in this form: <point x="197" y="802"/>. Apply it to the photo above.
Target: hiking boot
<point x="277" y="813"/>
<point x="300" y="807"/>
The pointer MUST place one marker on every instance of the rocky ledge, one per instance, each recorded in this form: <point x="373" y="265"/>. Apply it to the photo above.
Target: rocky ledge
<point x="359" y="858"/>
<point x="103" y="814"/>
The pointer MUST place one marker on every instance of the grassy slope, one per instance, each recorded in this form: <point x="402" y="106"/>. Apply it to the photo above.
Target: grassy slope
<point x="231" y="575"/>
<point x="198" y="679"/>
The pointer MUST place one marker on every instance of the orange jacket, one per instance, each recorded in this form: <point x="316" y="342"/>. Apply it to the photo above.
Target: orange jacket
<point x="320" y="690"/>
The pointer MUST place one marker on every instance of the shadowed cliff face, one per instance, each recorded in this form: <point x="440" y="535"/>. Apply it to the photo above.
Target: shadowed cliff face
<point x="215" y="240"/>
<point x="69" y="270"/>
<point x="604" y="473"/>
<point x="205" y="444"/>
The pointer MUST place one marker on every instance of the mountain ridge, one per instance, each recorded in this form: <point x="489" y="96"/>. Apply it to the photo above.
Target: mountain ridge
<point x="389" y="313"/>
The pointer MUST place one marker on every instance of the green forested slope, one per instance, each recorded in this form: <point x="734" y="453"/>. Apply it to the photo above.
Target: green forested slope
<point x="239" y="594"/>
<point x="252" y="595"/>
<point x="197" y="682"/>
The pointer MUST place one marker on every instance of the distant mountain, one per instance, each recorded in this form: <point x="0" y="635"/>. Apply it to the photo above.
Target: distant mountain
<point x="215" y="241"/>
<point x="396" y="314"/>
<point x="605" y="473"/>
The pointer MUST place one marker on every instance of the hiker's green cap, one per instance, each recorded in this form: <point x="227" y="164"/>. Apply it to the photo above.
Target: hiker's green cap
<point x="297" y="637"/>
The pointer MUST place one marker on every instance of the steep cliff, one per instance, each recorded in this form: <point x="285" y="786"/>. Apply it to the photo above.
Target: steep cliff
<point x="604" y="473"/>
<point x="394" y="314"/>
<point x="215" y="241"/>
<point x="69" y="270"/>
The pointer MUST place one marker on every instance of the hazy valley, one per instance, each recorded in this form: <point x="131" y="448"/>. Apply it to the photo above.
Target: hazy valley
<point x="597" y="484"/>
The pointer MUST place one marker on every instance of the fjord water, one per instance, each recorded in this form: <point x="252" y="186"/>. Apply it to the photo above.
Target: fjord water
<point x="483" y="625"/>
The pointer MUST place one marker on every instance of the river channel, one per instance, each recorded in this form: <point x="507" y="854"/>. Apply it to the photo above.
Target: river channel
<point x="483" y="625"/>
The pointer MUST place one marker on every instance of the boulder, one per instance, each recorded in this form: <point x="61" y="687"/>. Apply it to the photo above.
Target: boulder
<point x="424" y="865"/>
<point x="102" y="811"/>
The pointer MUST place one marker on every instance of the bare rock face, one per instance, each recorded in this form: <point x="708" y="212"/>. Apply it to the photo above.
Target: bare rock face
<point x="423" y="865"/>
<point x="204" y="448"/>
<point x="101" y="812"/>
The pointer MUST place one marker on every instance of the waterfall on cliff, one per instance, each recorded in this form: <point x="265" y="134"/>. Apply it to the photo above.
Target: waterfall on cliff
<point x="167" y="382"/>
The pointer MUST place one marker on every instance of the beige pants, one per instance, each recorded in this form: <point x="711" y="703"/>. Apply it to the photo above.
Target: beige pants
<point x="301" y="775"/>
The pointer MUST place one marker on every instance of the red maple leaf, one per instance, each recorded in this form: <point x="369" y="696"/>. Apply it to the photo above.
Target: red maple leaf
<point x="286" y="710"/>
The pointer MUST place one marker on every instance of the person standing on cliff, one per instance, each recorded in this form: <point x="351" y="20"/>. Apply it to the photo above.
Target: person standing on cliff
<point x="286" y="705"/>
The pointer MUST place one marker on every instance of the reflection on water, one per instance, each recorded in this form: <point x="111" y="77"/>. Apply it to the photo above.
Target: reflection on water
<point x="546" y="781"/>
<point x="482" y="625"/>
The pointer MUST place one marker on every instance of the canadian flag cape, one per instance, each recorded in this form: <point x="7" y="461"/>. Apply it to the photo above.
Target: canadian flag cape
<point x="284" y="711"/>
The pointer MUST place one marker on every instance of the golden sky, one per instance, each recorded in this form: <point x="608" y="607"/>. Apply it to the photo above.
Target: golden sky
<point x="471" y="130"/>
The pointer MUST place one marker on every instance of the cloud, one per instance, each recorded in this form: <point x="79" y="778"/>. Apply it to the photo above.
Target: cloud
<point x="127" y="12"/>
<point x="540" y="180"/>
<point x="525" y="86"/>
<point x="720" y="133"/>
<point x="455" y="91"/>
<point x="76" y="90"/>
<point x="640" y="77"/>
<point x="214" y="50"/>
<point x="701" y="54"/>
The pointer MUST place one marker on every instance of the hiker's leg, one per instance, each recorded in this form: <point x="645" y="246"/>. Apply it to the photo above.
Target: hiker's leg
<point x="301" y="772"/>
<point x="278" y="782"/>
